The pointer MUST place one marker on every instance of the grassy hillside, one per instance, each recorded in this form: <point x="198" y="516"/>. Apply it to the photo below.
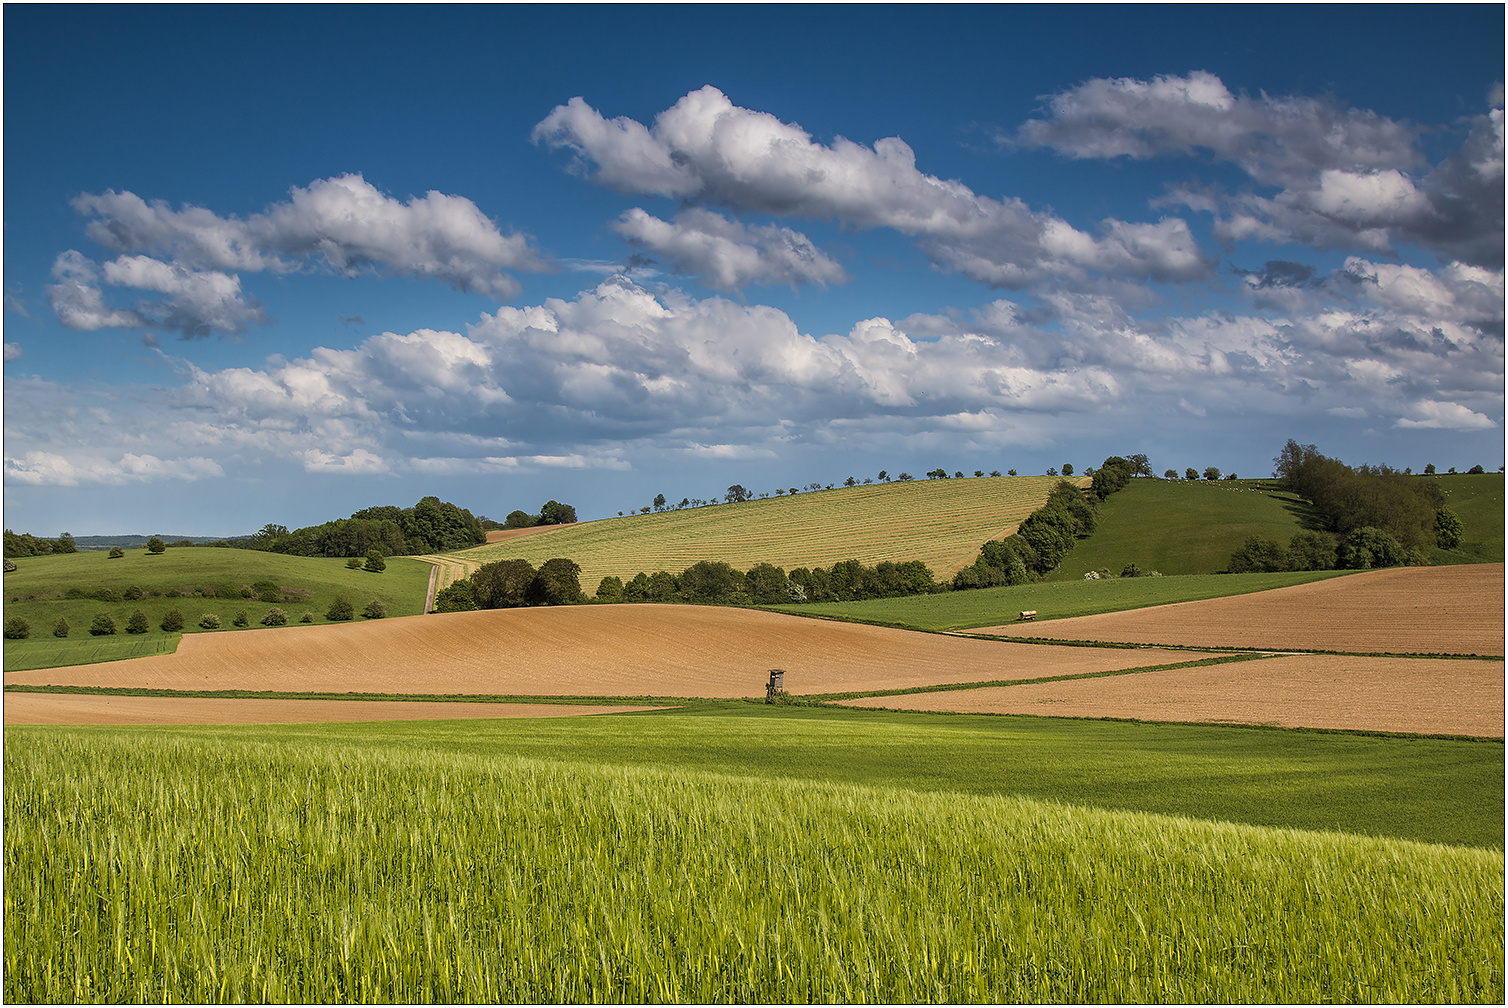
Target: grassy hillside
<point x="1478" y="502"/>
<point x="1182" y="526"/>
<point x="985" y="607"/>
<point x="191" y="581"/>
<point x="939" y="522"/>
<point x="753" y="857"/>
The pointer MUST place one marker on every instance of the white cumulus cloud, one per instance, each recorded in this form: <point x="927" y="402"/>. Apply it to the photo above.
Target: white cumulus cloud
<point x="726" y="254"/>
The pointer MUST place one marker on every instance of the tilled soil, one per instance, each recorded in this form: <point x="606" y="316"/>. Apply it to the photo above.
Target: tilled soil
<point x="620" y="650"/>
<point x="1401" y="610"/>
<point x="1417" y="695"/>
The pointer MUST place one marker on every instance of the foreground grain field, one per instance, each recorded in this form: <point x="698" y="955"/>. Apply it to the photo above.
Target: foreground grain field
<point x="611" y="651"/>
<point x="1401" y="610"/>
<point x="1416" y="695"/>
<point x="76" y="708"/>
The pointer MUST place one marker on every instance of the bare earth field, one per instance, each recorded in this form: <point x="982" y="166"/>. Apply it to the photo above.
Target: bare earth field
<point x="620" y="650"/>
<point x="1418" y="695"/>
<point x="74" y="708"/>
<point x="1401" y="610"/>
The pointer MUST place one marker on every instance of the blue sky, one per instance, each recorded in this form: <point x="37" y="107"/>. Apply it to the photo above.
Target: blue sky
<point x="275" y="264"/>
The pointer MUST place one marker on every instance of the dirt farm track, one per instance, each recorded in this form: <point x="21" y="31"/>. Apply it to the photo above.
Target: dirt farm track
<point x="628" y="651"/>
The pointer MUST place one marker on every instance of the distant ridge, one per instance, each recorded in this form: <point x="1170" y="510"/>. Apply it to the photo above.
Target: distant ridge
<point x="102" y="542"/>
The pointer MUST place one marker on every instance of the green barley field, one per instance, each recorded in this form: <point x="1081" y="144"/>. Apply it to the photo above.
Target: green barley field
<point x="485" y="862"/>
<point x="939" y="522"/>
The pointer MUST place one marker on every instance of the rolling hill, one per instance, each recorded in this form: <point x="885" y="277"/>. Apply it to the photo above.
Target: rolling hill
<point x="939" y="522"/>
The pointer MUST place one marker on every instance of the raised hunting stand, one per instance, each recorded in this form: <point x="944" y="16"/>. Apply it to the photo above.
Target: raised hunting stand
<point x="777" y="680"/>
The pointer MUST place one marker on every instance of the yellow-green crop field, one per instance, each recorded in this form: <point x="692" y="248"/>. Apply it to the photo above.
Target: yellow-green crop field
<point x="939" y="522"/>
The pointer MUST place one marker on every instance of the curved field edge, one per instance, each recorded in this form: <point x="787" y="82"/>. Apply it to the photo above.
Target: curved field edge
<point x="940" y="522"/>
<point x="144" y="868"/>
<point x="987" y="607"/>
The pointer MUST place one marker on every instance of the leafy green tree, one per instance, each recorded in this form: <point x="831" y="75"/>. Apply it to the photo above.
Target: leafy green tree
<point x="1211" y="473"/>
<point x="610" y="589"/>
<point x="1191" y="473"/>
<point x="1067" y="469"/>
<point x="557" y="582"/>
<point x="1369" y="547"/>
<point x="660" y="587"/>
<point x="1475" y="470"/>
<point x="61" y="629"/>
<point x="156" y="545"/>
<point x="209" y="621"/>
<point x="172" y="621"/>
<point x="1448" y="529"/>
<point x="556" y="513"/>
<point x="1140" y="466"/>
<point x="520" y="519"/>
<point x="103" y="625"/>
<point x="503" y="584"/>
<point x="275" y="617"/>
<point x="374" y="610"/>
<point x="1310" y="550"/>
<point x="340" y="610"/>
<point x="16" y="628"/>
<point x="65" y="543"/>
<point x="1259" y="554"/>
<point x="710" y="581"/>
<point x="737" y="492"/>
<point x="1429" y="469"/>
<point x="137" y="624"/>
<point x="241" y="619"/>
<point x="659" y="502"/>
<point x="767" y="584"/>
<point x="375" y="563"/>
<point x="456" y="597"/>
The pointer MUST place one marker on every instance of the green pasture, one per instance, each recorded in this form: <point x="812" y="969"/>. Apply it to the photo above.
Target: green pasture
<point x="189" y="580"/>
<point x="761" y="855"/>
<point x="1478" y="501"/>
<point x="939" y="522"/>
<point x="1183" y="526"/>
<point x="983" y="607"/>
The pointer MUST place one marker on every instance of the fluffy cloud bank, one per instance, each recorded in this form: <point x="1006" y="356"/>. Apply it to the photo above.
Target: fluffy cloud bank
<point x="583" y="383"/>
<point x="1346" y="178"/>
<point x="706" y="149"/>
<point x="191" y="256"/>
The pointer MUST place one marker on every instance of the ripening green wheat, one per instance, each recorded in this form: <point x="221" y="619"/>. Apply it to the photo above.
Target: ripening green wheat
<point x="140" y="867"/>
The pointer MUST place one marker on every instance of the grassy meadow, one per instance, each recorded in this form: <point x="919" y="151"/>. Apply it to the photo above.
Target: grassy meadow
<point x="191" y="581"/>
<point x="939" y="522"/>
<point x="633" y="864"/>
<point x="1478" y="501"/>
<point x="984" y="607"/>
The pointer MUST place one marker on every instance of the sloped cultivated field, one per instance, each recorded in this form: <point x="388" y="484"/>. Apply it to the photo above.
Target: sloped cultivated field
<point x="624" y="650"/>
<point x="1401" y="610"/>
<point x="939" y="522"/>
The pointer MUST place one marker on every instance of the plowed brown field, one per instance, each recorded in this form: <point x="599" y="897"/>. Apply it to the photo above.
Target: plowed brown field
<point x="73" y="708"/>
<point x="1401" y="610"/>
<point x="1419" y="695"/>
<point x="622" y="650"/>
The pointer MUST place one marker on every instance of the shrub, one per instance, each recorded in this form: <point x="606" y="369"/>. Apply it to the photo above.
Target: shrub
<point x="275" y="617"/>
<point x="132" y="593"/>
<point x="16" y="628"/>
<point x="375" y="563"/>
<point x="116" y="552"/>
<point x="241" y="619"/>
<point x="10" y="565"/>
<point x="374" y="610"/>
<point x="209" y="621"/>
<point x="102" y="626"/>
<point x="266" y="591"/>
<point x="61" y="630"/>
<point x="1369" y="547"/>
<point x="156" y="545"/>
<point x="456" y="597"/>
<point x="307" y="617"/>
<point x="138" y="623"/>
<point x="107" y="595"/>
<point x="1259" y="555"/>
<point x="354" y="563"/>
<point x="340" y="610"/>
<point x="1312" y="551"/>
<point x="172" y="621"/>
<point x="1448" y="529"/>
<point x="610" y="589"/>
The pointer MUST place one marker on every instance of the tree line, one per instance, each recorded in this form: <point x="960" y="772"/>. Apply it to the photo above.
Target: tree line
<point x="430" y="526"/>
<point x="1371" y="516"/>
<point x="26" y="545"/>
